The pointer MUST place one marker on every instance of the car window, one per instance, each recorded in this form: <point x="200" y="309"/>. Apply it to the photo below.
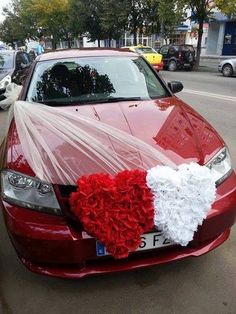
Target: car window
<point x="6" y="60"/>
<point x="176" y="48"/>
<point x="187" y="48"/>
<point x="25" y="58"/>
<point x="22" y="58"/>
<point x="164" y="50"/>
<point x="85" y="80"/>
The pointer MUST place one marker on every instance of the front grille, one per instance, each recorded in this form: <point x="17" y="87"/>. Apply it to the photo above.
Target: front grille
<point x="63" y="193"/>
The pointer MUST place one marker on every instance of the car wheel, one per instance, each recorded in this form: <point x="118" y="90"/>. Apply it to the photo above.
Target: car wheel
<point x="172" y="66"/>
<point x="227" y="70"/>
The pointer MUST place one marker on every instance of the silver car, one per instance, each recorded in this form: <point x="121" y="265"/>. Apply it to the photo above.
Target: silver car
<point x="228" y="67"/>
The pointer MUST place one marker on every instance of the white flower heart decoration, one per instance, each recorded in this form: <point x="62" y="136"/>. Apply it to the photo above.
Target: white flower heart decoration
<point x="182" y="199"/>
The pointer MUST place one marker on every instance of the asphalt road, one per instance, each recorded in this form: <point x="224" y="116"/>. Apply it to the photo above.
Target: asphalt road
<point x="198" y="285"/>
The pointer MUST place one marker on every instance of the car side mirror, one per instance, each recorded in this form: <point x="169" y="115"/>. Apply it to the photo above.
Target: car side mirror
<point x="175" y="86"/>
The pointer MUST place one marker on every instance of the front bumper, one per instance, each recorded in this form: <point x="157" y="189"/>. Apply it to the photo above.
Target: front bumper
<point x="53" y="246"/>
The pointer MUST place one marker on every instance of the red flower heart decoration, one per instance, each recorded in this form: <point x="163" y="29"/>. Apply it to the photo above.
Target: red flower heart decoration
<point x="116" y="211"/>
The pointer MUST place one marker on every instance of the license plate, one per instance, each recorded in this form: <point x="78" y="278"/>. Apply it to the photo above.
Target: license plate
<point x="149" y="241"/>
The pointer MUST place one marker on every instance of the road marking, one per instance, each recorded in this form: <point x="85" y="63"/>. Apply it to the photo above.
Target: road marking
<point x="206" y="94"/>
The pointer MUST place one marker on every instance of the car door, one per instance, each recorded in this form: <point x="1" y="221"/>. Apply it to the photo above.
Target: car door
<point x="164" y="51"/>
<point x="172" y="52"/>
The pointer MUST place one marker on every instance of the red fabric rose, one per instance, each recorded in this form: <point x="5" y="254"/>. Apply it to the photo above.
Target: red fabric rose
<point x="116" y="211"/>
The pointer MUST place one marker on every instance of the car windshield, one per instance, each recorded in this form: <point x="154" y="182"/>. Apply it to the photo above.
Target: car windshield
<point x="6" y="60"/>
<point x="94" y="79"/>
<point x="145" y="50"/>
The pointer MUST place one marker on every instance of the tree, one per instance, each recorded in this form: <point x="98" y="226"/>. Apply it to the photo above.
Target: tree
<point x="113" y="18"/>
<point x="228" y="7"/>
<point x="170" y="13"/>
<point x="9" y="31"/>
<point x="137" y="17"/>
<point x="201" y="12"/>
<point x="31" y="18"/>
<point x="99" y="19"/>
<point x="151" y="23"/>
<point x="52" y="16"/>
<point x="17" y="25"/>
<point x="85" y="18"/>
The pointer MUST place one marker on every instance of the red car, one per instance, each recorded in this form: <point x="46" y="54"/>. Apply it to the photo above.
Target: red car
<point x="46" y="239"/>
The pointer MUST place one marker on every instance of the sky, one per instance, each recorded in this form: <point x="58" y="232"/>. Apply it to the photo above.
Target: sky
<point x="3" y="3"/>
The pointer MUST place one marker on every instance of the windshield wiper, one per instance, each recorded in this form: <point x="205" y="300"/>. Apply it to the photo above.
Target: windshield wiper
<point x="110" y="99"/>
<point x="54" y="102"/>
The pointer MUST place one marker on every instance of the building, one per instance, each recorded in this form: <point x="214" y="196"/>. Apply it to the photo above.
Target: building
<point x="221" y="36"/>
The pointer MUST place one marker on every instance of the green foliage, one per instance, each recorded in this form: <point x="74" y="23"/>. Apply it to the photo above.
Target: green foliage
<point x="9" y="30"/>
<point x="228" y="7"/>
<point x="170" y="13"/>
<point x="152" y="21"/>
<point x="51" y="16"/>
<point x="18" y="25"/>
<point x="85" y="18"/>
<point x="137" y="17"/>
<point x="32" y="18"/>
<point x="99" y="19"/>
<point x="114" y="17"/>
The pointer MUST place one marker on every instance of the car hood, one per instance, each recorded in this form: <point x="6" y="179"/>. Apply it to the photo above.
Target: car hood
<point x="169" y="125"/>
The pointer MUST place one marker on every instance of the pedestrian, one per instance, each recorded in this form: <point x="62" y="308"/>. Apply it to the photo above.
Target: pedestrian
<point x="40" y="48"/>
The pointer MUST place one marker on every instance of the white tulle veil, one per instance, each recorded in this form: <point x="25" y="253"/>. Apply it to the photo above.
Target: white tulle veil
<point x="90" y="139"/>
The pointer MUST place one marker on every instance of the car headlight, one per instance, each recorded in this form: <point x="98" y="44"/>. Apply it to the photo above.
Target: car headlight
<point x="5" y="81"/>
<point x="29" y="192"/>
<point x="220" y="166"/>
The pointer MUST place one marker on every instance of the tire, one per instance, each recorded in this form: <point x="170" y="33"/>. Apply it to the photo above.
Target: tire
<point x="172" y="66"/>
<point x="227" y="70"/>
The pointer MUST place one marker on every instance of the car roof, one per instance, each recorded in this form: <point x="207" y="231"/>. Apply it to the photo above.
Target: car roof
<point x="84" y="52"/>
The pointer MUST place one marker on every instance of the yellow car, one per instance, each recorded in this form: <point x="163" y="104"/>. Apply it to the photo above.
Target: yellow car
<point x="154" y="58"/>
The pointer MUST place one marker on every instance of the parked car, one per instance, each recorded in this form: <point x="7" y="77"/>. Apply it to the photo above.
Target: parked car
<point x="228" y="67"/>
<point x="151" y="55"/>
<point x="178" y="56"/>
<point x="13" y="67"/>
<point x="137" y="101"/>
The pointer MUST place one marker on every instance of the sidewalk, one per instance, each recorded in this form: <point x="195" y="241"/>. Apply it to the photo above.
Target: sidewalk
<point x="210" y="62"/>
<point x="216" y="57"/>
